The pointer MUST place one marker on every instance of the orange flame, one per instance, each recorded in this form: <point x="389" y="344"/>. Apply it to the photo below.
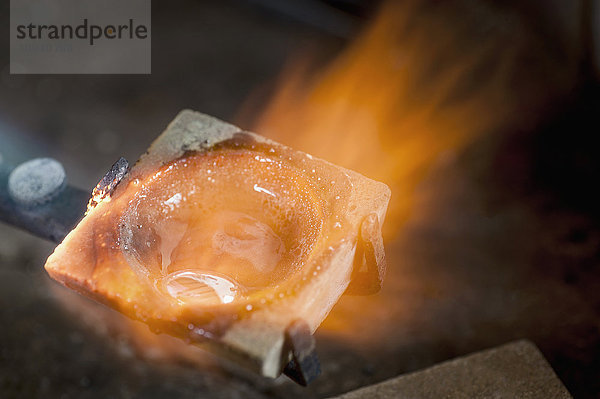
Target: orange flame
<point x="413" y="87"/>
<point x="408" y="90"/>
<point x="422" y="82"/>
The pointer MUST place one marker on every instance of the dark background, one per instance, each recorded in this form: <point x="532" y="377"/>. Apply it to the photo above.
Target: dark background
<point x="503" y="242"/>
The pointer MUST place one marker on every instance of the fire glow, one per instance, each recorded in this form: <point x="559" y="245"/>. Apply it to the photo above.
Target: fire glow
<point x="379" y="109"/>
<point x="99" y="194"/>
<point x="397" y="102"/>
<point x="226" y="242"/>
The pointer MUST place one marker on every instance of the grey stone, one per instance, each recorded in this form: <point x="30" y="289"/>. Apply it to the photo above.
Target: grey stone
<point x="514" y="370"/>
<point x="36" y="181"/>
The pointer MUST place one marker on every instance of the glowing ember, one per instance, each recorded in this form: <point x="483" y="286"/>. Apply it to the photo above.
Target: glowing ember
<point x="108" y="183"/>
<point x="98" y="195"/>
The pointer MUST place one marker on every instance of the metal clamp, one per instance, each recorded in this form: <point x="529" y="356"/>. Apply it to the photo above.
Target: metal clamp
<point x="304" y="366"/>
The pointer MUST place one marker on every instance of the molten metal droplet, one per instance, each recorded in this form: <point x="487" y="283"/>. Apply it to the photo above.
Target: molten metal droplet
<point x="191" y="285"/>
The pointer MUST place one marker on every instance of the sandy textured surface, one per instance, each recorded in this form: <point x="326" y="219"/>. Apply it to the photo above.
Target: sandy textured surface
<point x="515" y="370"/>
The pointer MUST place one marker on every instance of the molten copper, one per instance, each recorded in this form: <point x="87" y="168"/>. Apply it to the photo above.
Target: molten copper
<point x="222" y="237"/>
